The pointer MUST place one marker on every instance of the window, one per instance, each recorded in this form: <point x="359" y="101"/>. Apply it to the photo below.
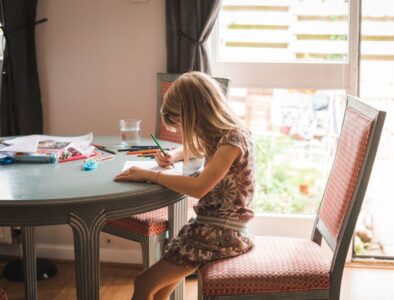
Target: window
<point x="289" y="62"/>
<point x="295" y="134"/>
<point x="305" y="30"/>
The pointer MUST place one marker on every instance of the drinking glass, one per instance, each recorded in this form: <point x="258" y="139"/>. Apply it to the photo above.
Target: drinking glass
<point x="130" y="131"/>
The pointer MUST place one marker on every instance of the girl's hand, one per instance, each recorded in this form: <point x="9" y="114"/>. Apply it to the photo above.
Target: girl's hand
<point x="133" y="174"/>
<point x="164" y="161"/>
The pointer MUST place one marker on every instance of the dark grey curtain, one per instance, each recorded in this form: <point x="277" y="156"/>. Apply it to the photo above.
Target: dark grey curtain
<point x="20" y="104"/>
<point x="189" y="23"/>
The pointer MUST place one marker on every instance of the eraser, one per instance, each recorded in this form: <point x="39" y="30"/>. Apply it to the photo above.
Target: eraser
<point x="89" y="165"/>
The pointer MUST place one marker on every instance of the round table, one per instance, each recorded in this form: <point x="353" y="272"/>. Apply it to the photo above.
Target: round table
<point x="62" y="193"/>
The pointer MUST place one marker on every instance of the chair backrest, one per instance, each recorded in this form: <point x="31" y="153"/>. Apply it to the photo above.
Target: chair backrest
<point x="348" y="181"/>
<point x="164" y="81"/>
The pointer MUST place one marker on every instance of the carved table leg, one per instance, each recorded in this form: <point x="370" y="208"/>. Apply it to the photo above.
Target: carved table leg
<point x="86" y="227"/>
<point x="177" y="217"/>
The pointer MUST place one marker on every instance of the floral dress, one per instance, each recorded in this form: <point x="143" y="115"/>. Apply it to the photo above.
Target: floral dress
<point x="219" y="230"/>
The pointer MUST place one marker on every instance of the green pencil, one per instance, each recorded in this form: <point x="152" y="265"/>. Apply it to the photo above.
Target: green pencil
<point x="161" y="149"/>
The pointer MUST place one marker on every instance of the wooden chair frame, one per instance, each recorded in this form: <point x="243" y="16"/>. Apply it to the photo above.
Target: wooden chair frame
<point x="340" y="248"/>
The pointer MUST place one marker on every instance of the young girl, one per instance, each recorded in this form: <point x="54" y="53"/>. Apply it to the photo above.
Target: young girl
<point x="196" y="106"/>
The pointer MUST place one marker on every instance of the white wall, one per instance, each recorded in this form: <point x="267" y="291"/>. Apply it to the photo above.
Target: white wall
<point x="97" y="63"/>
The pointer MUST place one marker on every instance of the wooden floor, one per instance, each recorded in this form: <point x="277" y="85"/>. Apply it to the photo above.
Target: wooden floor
<point x="117" y="283"/>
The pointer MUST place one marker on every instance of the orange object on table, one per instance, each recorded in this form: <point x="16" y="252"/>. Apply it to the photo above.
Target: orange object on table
<point x="143" y="152"/>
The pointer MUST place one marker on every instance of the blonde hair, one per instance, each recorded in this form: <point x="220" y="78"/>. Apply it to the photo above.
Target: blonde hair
<point x="196" y="105"/>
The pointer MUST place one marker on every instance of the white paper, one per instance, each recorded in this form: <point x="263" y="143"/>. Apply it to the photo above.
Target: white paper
<point x="152" y="165"/>
<point x="83" y="139"/>
<point x="22" y="144"/>
<point x="30" y="143"/>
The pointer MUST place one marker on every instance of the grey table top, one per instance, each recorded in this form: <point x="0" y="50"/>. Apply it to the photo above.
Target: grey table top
<point x="39" y="184"/>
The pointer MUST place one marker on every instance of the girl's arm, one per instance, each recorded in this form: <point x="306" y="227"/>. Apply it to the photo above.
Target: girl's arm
<point x="193" y="186"/>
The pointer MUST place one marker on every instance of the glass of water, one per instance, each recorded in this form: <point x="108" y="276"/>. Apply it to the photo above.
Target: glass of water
<point x="130" y="131"/>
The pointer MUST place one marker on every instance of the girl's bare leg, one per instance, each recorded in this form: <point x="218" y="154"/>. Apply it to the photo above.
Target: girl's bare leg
<point x="162" y="275"/>
<point x="165" y="292"/>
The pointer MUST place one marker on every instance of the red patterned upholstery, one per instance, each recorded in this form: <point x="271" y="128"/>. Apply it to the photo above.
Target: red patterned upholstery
<point x="3" y="295"/>
<point x="345" y="170"/>
<point x="293" y="268"/>
<point x="275" y="264"/>
<point x="165" y="134"/>
<point x="150" y="223"/>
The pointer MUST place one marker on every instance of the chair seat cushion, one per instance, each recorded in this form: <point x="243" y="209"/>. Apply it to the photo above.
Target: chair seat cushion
<point x="275" y="264"/>
<point x="150" y="223"/>
<point x="3" y="295"/>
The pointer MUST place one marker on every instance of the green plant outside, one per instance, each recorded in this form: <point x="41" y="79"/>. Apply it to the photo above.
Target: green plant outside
<point x="278" y="178"/>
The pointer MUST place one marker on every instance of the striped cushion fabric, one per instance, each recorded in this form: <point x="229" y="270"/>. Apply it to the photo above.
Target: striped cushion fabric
<point x="150" y="223"/>
<point x="275" y="264"/>
<point x="165" y="134"/>
<point x="345" y="170"/>
<point x="3" y="295"/>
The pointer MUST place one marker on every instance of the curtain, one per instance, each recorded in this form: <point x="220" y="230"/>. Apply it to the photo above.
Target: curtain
<point x="188" y="25"/>
<point x="20" y="103"/>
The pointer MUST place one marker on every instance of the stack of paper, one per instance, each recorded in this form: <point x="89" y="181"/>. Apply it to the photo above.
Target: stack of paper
<point x="44" y="148"/>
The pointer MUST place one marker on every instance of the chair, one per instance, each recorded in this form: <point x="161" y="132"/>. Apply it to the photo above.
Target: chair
<point x="3" y="295"/>
<point x="151" y="229"/>
<point x="293" y="268"/>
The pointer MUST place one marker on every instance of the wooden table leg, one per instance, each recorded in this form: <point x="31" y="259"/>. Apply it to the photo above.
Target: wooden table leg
<point x="29" y="262"/>
<point x="86" y="230"/>
<point x="177" y="217"/>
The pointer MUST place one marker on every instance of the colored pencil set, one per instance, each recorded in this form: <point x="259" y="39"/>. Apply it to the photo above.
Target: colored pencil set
<point x="150" y="153"/>
<point x="143" y="151"/>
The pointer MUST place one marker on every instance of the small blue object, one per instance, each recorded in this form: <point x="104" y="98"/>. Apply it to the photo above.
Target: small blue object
<point x="89" y="165"/>
<point x="6" y="160"/>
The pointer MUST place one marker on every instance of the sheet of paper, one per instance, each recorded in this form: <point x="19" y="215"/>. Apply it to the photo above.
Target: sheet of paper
<point x="22" y="144"/>
<point x="30" y="143"/>
<point x="83" y="139"/>
<point x="151" y="164"/>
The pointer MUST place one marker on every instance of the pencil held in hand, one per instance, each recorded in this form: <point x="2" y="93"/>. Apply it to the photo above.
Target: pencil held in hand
<point x="161" y="150"/>
<point x="158" y="145"/>
<point x="164" y="161"/>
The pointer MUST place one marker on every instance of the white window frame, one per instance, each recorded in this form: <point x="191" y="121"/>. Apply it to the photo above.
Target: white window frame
<point x="327" y="75"/>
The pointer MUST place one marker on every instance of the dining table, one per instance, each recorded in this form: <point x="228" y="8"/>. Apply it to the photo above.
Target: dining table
<point x="45" y="194"/>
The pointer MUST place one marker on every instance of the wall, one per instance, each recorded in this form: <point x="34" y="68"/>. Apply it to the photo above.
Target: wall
<point x="97" y="61"/>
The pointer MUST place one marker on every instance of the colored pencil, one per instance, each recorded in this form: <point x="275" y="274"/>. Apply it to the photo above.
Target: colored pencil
<point x="161" y="149"/>
<point x="77" y="157"/>
<point x="136" y="148"/>
<point x="103" y="148"/>
<point x="142" y="151"/>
